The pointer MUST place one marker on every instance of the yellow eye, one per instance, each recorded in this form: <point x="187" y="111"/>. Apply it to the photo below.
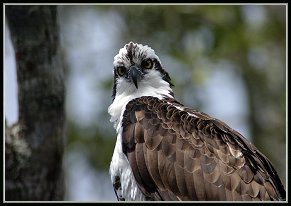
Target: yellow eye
<point x="121" y="71"/>
<point x="147" y="64"/>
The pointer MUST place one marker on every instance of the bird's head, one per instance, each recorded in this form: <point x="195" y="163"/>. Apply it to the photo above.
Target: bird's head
<point x="138" y="69"/>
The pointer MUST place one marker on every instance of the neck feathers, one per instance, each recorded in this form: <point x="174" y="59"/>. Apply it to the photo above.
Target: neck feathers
<point x="146" y="88"/>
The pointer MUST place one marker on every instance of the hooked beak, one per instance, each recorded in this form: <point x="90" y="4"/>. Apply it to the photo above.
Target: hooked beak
<point x="135" y="74"/>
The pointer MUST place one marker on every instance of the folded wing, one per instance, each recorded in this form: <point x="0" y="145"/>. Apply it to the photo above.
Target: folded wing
<point x="177" y="153"/>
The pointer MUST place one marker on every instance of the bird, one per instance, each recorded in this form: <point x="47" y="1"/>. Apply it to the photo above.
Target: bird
<point x="166" y="151"/>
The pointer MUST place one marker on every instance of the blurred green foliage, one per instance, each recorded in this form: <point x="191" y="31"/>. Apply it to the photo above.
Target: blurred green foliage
<point x="250" y="37"/>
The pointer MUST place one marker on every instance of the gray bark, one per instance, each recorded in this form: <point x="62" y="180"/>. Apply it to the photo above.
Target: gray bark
<point x="34" y="145"/>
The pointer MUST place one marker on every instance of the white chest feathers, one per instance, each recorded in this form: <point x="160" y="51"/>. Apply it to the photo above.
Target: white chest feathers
<point x="121" y="175"/>
<point x="152" y="85"/>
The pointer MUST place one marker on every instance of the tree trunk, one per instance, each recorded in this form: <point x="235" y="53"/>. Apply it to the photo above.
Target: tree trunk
<point x="34" y="145"/>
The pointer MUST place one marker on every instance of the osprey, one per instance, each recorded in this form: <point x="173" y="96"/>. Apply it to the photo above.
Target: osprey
<point x="167" y="151"/>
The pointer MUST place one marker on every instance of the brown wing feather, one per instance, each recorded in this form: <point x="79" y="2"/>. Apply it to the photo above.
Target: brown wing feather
<point x="178" y="156"/>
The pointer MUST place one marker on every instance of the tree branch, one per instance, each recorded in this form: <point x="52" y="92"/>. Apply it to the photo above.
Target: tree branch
<point x="34" y="146"/>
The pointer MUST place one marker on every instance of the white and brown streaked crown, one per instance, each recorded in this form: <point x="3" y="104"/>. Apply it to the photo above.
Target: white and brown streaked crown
<point x="166" y="151"/>
<point x="134" y="54"/>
